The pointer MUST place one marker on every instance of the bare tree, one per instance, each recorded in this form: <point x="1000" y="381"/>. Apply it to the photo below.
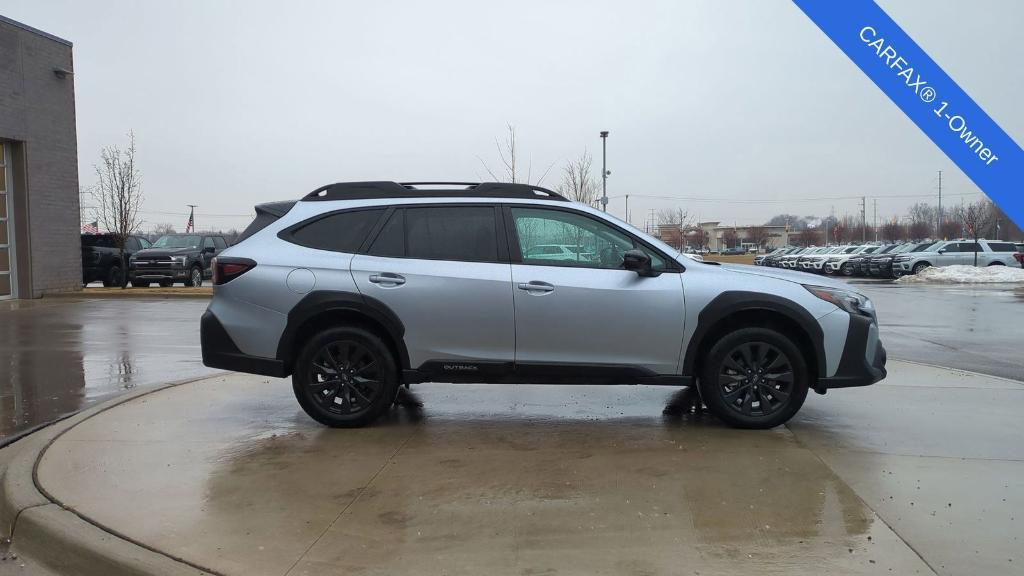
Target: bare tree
<point x="118" y="195"/>
<point x="952" y="225"/>
<point x="892" y="231"/>
<point x="577" y="183"/>
<point x="672" y="222"/>
<point x="731" y="237"/>
<point x="508" y="154"/>
<point x="977" y="219"/>
<point x="809" y="237"/>
<point x="759" y="235"/>
<point x="163" y="228"/>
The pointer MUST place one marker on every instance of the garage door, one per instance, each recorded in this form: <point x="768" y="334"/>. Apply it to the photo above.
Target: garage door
<point x="6" y="225"/>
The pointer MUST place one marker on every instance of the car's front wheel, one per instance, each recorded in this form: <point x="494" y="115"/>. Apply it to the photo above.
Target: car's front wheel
<point x="195" y="277"/>
<point x="754" y="378"/>
<point x="919" y="266"/>
<point x="345" y="377"/>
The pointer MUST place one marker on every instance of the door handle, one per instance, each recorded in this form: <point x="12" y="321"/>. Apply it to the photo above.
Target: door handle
<point x="387" y="278"/>
<point x="536" y="286"/>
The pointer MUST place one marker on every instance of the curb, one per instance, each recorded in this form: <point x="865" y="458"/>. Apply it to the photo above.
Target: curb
<point x="129" y="293"/>
<point x="57" y="537"/>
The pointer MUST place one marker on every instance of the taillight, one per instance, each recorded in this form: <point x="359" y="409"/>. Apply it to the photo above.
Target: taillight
<point x="226" y="269"/>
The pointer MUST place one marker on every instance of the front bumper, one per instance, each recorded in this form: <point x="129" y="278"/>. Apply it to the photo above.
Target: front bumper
<point x="863" y="360"/>
<point x="220" y="351"/>
<point x="164" y="273"/>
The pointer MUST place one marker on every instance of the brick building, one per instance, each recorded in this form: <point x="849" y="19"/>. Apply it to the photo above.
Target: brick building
<point x="39" y="203"/>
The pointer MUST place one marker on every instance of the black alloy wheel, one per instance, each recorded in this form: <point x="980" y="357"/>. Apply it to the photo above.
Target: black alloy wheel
<point x="754" y="378"/>
<point x="345" y="377"/>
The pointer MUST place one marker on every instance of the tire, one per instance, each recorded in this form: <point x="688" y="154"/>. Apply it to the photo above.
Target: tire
<point x="195" y="277"/>
<point x="115" y="278"/>
<point x="725" y="383"/>
<point x="166" y="283"/>
<point x="846" y="269"/>
<point x="140" y="284"/>
<point x="369" y="383"/>
<point x="996" y="264"/>
<point x="919" y="266"/>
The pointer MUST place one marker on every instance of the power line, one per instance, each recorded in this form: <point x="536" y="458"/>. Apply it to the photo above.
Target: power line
<point x="786" y="200"/>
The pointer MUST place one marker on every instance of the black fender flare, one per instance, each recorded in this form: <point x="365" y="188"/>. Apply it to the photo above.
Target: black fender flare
<point x="320" y="302"/>
<point x="732" y="302"/>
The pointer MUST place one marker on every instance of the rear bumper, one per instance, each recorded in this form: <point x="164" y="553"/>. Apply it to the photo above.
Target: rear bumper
<point x="220" y="351"/>
<point x="863" y="360"/>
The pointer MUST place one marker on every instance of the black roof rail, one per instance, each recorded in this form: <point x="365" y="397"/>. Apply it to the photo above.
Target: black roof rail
<point x="386" y="189"/>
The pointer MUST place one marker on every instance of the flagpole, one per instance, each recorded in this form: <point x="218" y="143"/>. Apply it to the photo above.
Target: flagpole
<point x="191" y="226"/>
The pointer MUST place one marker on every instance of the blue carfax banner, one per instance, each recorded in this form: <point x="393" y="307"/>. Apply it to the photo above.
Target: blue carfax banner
<point x="939" y="107"/>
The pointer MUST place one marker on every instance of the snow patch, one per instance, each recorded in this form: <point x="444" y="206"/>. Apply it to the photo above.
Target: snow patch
<point x="966" y="275"/>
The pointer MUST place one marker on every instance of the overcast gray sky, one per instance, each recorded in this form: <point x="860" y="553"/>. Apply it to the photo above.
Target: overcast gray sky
<point x="236" y="103"/>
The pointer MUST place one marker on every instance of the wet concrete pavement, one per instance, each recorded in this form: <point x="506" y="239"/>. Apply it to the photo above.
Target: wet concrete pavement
<point x="59" y="355"/>
<point x="974" y="328"/>
<point x="535" y="479"/>
<point x="229" y="474"/>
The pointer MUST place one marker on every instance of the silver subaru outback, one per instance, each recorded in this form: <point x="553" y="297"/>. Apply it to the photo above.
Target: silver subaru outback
<point x="359" y="288"/>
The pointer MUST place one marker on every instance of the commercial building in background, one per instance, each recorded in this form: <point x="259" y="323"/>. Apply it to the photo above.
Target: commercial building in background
<point x="717" y="237"/>
<point x="40" y="245"/>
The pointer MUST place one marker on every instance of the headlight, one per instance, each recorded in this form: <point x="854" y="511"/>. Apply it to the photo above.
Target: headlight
<point x="852" y="302"/>
<point x="903" y="259"/>
<point x="179" y="259"/>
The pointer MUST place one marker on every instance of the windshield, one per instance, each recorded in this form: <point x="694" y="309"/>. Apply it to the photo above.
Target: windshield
<point x="185" y="241"/>
<point x="851" y="249"/>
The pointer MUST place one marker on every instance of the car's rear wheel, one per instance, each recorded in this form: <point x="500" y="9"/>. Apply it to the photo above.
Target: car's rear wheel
<point x="920" y="266"/>
<point x="345" y="377"/>
<point x="114" y="277"/>
<point x="754" y="378"/>
<point x="140" y="284"/>
<point x="166" y="283"/>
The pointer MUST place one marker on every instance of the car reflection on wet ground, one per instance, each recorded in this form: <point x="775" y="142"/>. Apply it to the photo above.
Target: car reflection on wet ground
<point x="914" y="473"/>
<point x="59" y="355"/>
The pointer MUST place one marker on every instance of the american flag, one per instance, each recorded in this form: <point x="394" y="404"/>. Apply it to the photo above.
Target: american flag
<point x="190" y="225"/>
<point x="91" y="228"/>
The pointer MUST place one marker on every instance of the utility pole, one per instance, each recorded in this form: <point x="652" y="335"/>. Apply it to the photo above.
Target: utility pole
<point x="938" y="225"/>
<point x="874" y="218"/>
<point x="604" y="170"/>
<point x="863" y="219"/>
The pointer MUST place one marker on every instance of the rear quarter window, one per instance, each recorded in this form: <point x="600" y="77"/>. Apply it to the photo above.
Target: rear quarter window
<point x="1002" y="247"/>
<point x="338" y="232"/>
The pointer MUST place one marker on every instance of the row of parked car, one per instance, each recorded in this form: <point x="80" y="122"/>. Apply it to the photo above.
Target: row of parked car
<point x="173" y="258"/>
<point x="893" y="260"/>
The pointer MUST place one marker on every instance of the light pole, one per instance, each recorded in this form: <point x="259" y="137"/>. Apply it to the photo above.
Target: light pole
<point x="604" y="170"/>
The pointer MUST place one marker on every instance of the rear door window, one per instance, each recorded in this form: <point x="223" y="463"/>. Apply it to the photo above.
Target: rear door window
<point x="338" y="232"/>
<point x="390" y="242"/>
<point x="461" y="233"/>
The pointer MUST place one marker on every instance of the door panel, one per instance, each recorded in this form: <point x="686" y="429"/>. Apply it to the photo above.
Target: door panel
<point x="586" y="309"/>
<point x="594" y="316"/>
<point x="451" y="310"/>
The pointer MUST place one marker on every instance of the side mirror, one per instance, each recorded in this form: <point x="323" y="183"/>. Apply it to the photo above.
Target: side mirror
<point x="208" y="249"/>
<point x="638" y="261"/>
<point x="942" y="250"/>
